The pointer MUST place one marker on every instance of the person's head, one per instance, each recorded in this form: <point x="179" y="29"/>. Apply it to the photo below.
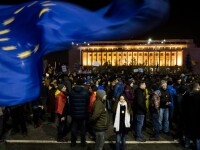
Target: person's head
<point x="94" y="87"/>
<point x="131" y="82"/>
<point x="163" y="84"/>
<point x="142" y="85"/>
<point x="157" y="92"/>
<point x="80" y="81"/>
<point x="101" y="94"/>
<point x="122" y="98"/>
<point x="118" y="80"/>
<point x="179" y="81"/>
<point x="62" y="87"/>
<point x="195" y="86"/>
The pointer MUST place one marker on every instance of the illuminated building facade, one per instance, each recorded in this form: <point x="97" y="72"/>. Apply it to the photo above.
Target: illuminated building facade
<point x="151" y="53"/>
<point x="135" y="53"/>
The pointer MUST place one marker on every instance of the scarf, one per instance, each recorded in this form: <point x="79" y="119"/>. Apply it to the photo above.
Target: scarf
<point x="117" y="116"/>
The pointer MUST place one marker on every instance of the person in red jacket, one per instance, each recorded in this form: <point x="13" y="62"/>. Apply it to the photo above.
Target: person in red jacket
<point x="61" y="111"/>
<point x="92" y="100"/>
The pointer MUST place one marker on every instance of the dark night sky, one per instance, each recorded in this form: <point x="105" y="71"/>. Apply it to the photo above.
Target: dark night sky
<point x="183" y="21"/>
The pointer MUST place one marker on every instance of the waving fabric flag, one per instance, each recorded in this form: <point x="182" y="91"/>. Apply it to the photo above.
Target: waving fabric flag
<point x="30" y="30"/>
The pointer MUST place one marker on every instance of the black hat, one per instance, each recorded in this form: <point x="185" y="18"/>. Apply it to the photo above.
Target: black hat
<point x="60" y="86"/>
<point x="80" y="82"/>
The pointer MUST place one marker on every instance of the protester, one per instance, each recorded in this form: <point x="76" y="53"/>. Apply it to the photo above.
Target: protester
<point x="154" y="111"/>
<point x="79" y="100"/>
<point x="165" y="102"/>
<point x="61" y="111"/>
<point x="140" y="110"/>
<point x="123" y="117"/>
<point x="100" y="119"/>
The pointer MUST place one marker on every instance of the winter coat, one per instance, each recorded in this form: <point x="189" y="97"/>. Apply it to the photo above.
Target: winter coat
<point x="119" y="89"/>
<point x="122" y="128"/>
<point x="79" y="99"/>
<point x="51" y="100"/>
<point x="172" y="92"/>
<point x="154" y="104"/>
<point x="193" y="114"/>
<point x="99" y="117"/>
<point x="140" y="102"/>
<point x="92" y="100"/>
<point x="129" y="92"/>
<point x="164" y="98"/>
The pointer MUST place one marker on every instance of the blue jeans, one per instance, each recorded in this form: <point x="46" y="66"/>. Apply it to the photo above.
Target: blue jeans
<point x="156" y="125"/>
<point x="164" y="112"/>
<point x="100" y="138"/>
<point x="120" y="141"/>
<point x="138" y="126"/>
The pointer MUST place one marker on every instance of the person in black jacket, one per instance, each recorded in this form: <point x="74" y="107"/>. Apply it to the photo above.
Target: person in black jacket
<point x="140" y="110"/>
<point x="79" y="99"/>
<point x="192" y="118"/>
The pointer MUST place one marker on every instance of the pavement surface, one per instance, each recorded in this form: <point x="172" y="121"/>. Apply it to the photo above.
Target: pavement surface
<point x="44" y="138"/>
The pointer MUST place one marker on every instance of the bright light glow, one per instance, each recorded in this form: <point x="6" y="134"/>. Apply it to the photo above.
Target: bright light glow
<point x="119" y="58"/>
<point x="179" y="62"/>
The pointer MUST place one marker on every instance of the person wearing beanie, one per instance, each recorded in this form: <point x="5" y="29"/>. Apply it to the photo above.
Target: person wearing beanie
<point x="154" y="107"/>
<point x="99" y="118"/>
<point x="60" y="86"/>
<point x="101" y="94"/>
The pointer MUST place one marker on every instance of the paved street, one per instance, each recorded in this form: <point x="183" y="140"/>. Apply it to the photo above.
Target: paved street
<point x="44" y="138"/>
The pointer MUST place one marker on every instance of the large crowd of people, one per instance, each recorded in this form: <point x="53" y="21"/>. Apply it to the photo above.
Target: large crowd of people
<point x="171" y="101"/>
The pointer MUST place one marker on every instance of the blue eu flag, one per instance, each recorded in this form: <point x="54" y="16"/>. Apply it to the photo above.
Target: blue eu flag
<point x="30" y="30"/>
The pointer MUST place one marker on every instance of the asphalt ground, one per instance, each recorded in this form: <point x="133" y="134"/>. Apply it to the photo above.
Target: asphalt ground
<point x="44" y="138"/>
